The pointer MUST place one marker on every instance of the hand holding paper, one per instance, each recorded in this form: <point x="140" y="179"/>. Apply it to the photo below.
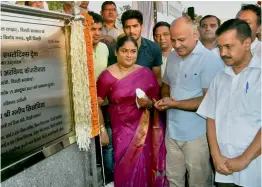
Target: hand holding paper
<point x="141" y="99"/>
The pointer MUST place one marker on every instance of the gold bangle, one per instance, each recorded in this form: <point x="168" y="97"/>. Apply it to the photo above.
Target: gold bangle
<point x="151" y="105"/>
<point x="102" y="128"/>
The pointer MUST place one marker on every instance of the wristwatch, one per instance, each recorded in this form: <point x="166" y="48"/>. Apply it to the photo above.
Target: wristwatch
<point x="153" y="102"/>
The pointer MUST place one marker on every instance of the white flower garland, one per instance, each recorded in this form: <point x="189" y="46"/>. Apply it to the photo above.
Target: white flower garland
<point x="81" y="94"/>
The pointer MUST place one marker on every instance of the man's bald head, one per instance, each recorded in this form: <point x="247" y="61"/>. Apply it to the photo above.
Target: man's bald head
<point x="184" y="22"/>
<point x="184" y="36"/>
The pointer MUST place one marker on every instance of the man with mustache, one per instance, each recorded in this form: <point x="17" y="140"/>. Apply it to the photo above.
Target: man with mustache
<point x="189" y="70"/>
<point x="161" y="33"/>
<point x="109" y="14"/>
<point x="207" y="29"/>
<point x="149" y="53"/>
<point x="100" y="56"/>
<point x="232" y="107"/>
<point x="100" y="49"/>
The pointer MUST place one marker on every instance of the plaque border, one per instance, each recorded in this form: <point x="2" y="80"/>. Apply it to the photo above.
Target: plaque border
<point x="68" y="139"/>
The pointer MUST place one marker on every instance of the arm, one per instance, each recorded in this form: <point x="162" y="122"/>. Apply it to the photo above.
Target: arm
<point x="102" y="92"/>
<point x="152" y="92"/>
<point x="207" y="109"/>
<point x="189" y="104"/>
<point x="157" y="71"/>
<point x="253" y="151"/>
<point x="212" y="137"/>
<point x="165" y="95"/>
<point x="211" y="67"/>
<point x="157" y="63"/>
<point x="165" y="90"/>
<point x="103" y="133"/>
<point x="218" y="159"/>
<point x="209" y="71"/>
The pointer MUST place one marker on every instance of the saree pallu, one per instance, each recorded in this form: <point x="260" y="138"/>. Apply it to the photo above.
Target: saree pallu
<point x="138" y="135"/>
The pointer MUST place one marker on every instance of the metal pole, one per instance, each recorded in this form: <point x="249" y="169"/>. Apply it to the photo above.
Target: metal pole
<point x="155" y="11"/>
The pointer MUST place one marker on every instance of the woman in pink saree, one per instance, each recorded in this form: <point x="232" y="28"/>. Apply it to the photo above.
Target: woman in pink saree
<point x="138" y="134"/>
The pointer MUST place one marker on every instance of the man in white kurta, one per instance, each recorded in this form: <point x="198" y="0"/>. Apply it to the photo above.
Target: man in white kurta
<point x="252" y="15"/>
<point x="233" y="103"/>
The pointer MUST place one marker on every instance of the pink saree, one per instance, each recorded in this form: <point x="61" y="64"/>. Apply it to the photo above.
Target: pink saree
<point x="138" y="135"/>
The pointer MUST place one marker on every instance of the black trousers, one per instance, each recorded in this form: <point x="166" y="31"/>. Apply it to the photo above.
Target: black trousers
<point x="227" y="185"/>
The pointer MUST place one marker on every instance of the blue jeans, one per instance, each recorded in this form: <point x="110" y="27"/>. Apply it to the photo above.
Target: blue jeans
<point x="108" y="151"/>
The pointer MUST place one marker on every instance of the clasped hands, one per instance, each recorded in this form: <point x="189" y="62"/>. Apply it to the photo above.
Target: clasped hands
<point x="223" y="165"/>
<point x="227" y="166"/>
<point x="165" y="103"/>
<point x="162" y="104"/>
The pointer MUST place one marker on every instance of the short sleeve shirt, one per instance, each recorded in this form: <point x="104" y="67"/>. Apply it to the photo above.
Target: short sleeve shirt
<point x="234" y="102"/>
<point x="187" y="78"/>
<point x="149" y="54"/>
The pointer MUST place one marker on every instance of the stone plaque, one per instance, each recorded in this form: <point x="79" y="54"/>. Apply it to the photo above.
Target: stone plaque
<point x="35" y="102"/>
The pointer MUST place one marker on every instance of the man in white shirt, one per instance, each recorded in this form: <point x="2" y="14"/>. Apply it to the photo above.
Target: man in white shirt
<point x="161" y="33"/>
<point x="232" y="107"/>
<point x="100" y="49"/>
<point x="100" y="57"/>
<point x="84" y="6"/>
<point x="207" y="29"/>
<point x="189" y="71"/>
<point x="252" y="15"/>
<point x="259" y="34"/>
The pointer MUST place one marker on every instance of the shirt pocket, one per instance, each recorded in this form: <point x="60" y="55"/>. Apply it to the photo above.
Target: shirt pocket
<point x="190" y="81"/>
<point x="249" y="102"/>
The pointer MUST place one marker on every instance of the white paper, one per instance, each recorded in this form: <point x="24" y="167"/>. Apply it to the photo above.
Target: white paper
<point x="140" y="94"/>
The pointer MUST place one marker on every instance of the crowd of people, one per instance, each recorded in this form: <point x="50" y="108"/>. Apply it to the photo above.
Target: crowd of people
<point x="207" y="116"/>
<point x="201" y="111"/>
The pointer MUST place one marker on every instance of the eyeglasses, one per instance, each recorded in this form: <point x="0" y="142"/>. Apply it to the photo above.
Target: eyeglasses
<point x="110" y="9"/>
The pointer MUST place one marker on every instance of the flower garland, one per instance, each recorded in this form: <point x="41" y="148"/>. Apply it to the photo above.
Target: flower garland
<point x="91" y="72"/>
<point x="81" y="95"/>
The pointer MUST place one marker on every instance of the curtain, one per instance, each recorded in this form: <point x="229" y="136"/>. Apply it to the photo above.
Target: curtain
<point x="147" y="9"/>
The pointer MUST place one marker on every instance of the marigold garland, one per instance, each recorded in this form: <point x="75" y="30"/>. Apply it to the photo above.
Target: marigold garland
<point x="91" y="72"/>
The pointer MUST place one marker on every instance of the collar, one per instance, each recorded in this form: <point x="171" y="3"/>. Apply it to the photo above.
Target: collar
<point x="143" y="42"/>
<point x="198" y="48"/>
<point x="108" y="28"/>
<point x="85" y="10"/>
<point x="214" y="47"/>
<point x="172" y="49"/>
<point x="254" y="44"/>
<point x="254" y="63"/>
<point x="97" y="46"/>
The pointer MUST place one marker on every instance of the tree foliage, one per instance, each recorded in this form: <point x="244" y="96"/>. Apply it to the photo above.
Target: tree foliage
<point x="55" y="5"/>
<point x="122" y="10"/>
